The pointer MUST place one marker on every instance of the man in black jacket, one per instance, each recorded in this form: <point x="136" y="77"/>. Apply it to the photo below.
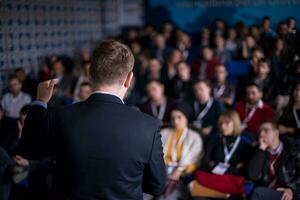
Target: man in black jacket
<point x="5" y="182"/>
<point x="103" y="148"/>
<point x="275" y="166"/>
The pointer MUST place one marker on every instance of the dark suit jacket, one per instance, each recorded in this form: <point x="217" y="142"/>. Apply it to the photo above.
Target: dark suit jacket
<point x="146" y="108"/>
<point x="103" y="149"/>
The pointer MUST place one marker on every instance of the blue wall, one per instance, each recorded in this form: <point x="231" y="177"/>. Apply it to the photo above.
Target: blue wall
<point x="191" y="15"/>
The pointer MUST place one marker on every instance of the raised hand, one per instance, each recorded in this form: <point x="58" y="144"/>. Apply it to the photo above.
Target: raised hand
<point x="262" y="144"/>
<point x="45" y="90"/>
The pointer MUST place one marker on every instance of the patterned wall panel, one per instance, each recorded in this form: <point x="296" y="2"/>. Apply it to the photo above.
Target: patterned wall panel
<point x="31" y="29"/>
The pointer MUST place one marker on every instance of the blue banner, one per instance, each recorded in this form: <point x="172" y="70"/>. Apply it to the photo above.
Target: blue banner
<point x="191" y="15"/>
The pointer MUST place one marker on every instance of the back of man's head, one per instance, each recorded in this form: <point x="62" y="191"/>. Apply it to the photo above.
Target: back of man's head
<point x="111" y="63"/>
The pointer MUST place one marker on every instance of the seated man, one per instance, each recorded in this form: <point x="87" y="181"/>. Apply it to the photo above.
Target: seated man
<point x="206" y="109"/>
<point x="85" y="90"/>
<point x="13" y="101"/>
<point x="264" y="78"/>
<point x="222" y="89"/>
<point x="181" y="86"/>
<point x="204" y="66"/>
<point x="253" y="110"/>
<point x="29" y="84"/>
<point x="274" y="166"/>
<point x="158" y="104"/>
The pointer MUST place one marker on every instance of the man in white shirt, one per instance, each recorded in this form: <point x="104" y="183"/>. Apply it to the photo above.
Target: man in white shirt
<point x="13" y="101"/>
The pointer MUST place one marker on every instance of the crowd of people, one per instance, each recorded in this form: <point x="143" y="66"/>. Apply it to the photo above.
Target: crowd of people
<point x="228" y="100"/>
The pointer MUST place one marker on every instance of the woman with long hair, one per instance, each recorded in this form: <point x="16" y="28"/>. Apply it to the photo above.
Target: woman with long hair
<point x="289" y="122"/>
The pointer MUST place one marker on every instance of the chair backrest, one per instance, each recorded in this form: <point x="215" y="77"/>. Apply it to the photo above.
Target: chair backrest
<point x="237" y="69"/>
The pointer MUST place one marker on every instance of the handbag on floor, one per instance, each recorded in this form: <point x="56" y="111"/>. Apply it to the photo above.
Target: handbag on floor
<point x="224" y="183"/>
<point x="198" y="190"/>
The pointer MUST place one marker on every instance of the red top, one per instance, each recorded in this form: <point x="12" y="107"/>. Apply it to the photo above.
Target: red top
<point x="210" y="67"/>
<point x="260" y="114"/>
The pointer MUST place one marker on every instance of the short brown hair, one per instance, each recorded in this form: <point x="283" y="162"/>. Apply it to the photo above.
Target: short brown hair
<point x="233" y="116"/>
<point x="205" y="81"/>
<point x="111" y="62"/>
<point x="272" y="122"/>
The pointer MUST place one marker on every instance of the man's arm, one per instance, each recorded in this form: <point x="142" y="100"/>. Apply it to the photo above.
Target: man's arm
<point x="294" y="185"/>
<point x="256" y="164"/>
<point x="206" y="163"/>
<point x="35" y="141"/>
<point x="155" y="171"/>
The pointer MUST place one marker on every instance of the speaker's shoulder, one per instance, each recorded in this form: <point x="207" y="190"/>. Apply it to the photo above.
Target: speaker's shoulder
<point x="140" y="116"/>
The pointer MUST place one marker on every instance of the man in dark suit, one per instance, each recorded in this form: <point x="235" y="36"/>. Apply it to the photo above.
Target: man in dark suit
<point x="103" y="148"/>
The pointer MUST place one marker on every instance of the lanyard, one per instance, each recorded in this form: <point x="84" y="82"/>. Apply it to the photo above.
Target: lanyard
<point x="202" y="74"/>
<point x="205" y="110"/>
<point x="277" y="152"/>
<point x="219" y="92"/>
<point x="175" y="144"/>
<point x="159" y="114"/>
<point x="296" y="118"/>
<point x="249" y="115"/>
<point x="228" y="154"/>
<point x="252" y="111"/>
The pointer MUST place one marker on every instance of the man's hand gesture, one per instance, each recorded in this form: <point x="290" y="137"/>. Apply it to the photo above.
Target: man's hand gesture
<point x="45" y="90"/>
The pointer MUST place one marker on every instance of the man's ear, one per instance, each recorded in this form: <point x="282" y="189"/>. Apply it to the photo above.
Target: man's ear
<point x="128" y="80"/>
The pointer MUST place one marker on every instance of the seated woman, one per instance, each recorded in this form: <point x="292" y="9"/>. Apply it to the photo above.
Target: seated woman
<point x="182" y="149"/>
<point x="227" y="153"/>
<point x="289" y="122"/>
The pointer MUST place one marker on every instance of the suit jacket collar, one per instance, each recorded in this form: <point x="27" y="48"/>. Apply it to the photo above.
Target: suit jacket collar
<point x="105" y="98"/>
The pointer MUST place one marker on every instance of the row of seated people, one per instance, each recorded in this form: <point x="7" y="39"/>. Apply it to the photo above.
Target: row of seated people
<point x="267" y="165"/>
<point x="227" y="166"/>
<point x="206" y="108"/>
<point x="203" y="97"/>
<point x="170" y="67"/>
<point x="159" y="52"/>
<point x="203" y="113"/>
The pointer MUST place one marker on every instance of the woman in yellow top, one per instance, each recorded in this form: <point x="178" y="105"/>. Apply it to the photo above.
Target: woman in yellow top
<point x="182" y="149"/>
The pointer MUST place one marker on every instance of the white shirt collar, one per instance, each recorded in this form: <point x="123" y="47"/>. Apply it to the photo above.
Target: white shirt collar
<point x="16" y="97"/>
<point x="260" y="105"/>
<point x="109" y="93"/>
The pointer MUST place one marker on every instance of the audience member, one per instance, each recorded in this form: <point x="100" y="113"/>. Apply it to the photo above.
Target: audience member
<point x="85" y="90"/>
<point x="227" y="153"/>
<point x="205" y="109"/>
<point x="181" y="86"/>
<point x="62" y="70"/>
<point x="289" y="123"/>
<point x="160" y="50"/>
<point x="254" y="69"/>
<point x="157" y="105"/>
<point x="204" y="67"/>
<point x="222" y="90"/>
<point x="253" y="110"/>
<point x="15" y="99"/>
<point x="83" y="77"/>
<point x="29" y="85"/>
<point x="274" y="165"/>
<point x="169" y="69"/>
<point x="264" y="79"/>
<point x="248" y="44"/>
<point x="182" y="149"/>
<point x="231" y="43"/>
<point x="221" y="53"/>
